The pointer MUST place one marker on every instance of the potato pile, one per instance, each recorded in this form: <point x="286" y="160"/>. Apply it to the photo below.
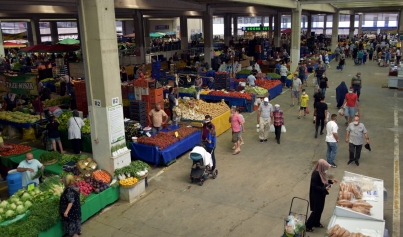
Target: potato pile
<point x="337" y="231"/>
<point x="196" y="109"/>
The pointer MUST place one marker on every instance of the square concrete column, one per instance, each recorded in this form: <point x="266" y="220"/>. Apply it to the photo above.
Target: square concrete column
<point x="324" y="24"/>
<point x="335" y="29"/>
<point x="360" y="21"/>
<point x="352" y="27"/>
<point x="277" y="29"/>
<point x="54" y="32"/>
<point x="184" y="32"/>
<point x="295" y="36"/>
<point x="271" y="27"/>
<point x="2" y="52"/>
<point x="227" y="29"/>
<point x="309" y="27"/>
<point x="400" y="23"/>
<point x="138" y="20"/>
<point x="235" y="27"/>
<point x="208" y="34"/>
<point x="102" y="81"/>
<point x="34" y="33"/>
<point x="147" y="33"/>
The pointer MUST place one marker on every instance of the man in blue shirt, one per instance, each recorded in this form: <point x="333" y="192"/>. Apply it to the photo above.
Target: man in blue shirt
<point x="251" y="79"/>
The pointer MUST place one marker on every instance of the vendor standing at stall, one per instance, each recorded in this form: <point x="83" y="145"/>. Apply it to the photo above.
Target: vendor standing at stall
<point x="198" y="85"/>
<point x="172" y="102"/>
<point x="156" y="118"/>
<point x="29" y="167"/>
<point x="3" y="170"/>
<point x="11" y="101"/>
<point x="38" y="105"/>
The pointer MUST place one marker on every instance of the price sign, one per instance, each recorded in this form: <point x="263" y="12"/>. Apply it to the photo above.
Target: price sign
<point x="31" y="187"/>
<point x="148" y="134"/>
<point x="176" y="134"/>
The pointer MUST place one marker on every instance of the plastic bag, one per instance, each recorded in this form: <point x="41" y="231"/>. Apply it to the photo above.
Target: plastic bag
<point x="28" y="133"/>
<point x="272" y="128"/>
<point x="341" y="112"/>
<point x="289" y="227"/>
<point x="56" y="111"/>
<point x="283" y="129"/>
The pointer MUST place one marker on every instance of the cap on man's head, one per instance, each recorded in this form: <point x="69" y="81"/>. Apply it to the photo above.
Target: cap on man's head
<point x="277" y="106"/>
<point x="266" y="99"/>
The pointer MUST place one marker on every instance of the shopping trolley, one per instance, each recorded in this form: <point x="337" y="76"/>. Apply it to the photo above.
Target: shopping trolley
<point x="299" y="217"/>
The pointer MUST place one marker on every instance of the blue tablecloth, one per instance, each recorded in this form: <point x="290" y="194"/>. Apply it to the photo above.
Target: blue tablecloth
<point x="17" y="125"/>
<point x="153" y="155"/>
<point x="275" y="91"/>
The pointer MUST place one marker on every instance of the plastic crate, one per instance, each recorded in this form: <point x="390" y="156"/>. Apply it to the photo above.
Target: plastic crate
<point x="130" y="96"/>
<point x="140" y="83"/>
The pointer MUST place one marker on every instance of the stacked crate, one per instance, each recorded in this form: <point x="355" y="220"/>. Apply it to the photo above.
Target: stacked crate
<point x="138" y="111"/>
<point x="222" y="81"/>
<point x="81" y="97"/>
<point x="155" y="70"/>
<point x="155" y="96"/>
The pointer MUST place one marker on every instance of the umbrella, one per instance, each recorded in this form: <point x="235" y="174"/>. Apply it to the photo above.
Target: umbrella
<point x="13" y="45"/>
<point x="286" y="31"/>
<point x="156" y="35"/>
<point x="35" y="48"/>
<point x="69" y="41"/>
<point x="61" y="48"/>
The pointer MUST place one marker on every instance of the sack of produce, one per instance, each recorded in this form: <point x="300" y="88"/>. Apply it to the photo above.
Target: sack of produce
<point x="28" y="133"/>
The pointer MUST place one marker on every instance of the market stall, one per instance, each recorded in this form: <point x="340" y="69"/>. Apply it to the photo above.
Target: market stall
<point x="161" y="151"/>
<point x="18" y="119"/>
<point x="360" y="207"/>
<point x="9" y="157"/>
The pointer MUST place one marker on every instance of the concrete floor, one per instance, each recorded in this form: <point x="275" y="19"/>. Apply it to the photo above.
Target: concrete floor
<point x="252" y="193"/>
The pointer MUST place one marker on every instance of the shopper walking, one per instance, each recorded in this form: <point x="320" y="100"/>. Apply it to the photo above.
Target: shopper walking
<point x="251" y="79"/>
<point x="69" y="207"/>
<point x="360" y="54"/>
<point x="323" y="84"/>
<point x="240" y="133"/>
<point x="304" y="104"/>
<point x="301" y="72"/>
<point x="356" y="83"/>
<point x="319" y="188"/>
<point x="236" y="123"/>
<point x="211" y="143"/>
<point x="74" y="125"/>
<point x="278" y="121"/>
<point x="370" y="53"/>
<point x="296" y="89"/>
<point x="354" y="137"/>
<point x="342" y="63"/>
<point x="53" y="133"/>
<point x="317" y="96"/>
<point x="264" y="115"/>
<point x="283" y="74"/>
<point x="350" y="103"/>
<point x="318" y="73"/>
<point x="321" y="113"/>
<point x="332" y="139"/>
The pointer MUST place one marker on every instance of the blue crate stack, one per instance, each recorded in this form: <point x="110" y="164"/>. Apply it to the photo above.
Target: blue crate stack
<point x="155" y="70"/>
<point x="138" y="111"/>
<point x="223" y="81"/>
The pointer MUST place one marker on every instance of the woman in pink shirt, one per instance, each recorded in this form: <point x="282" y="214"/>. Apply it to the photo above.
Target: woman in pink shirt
<point x="236" y="123"/>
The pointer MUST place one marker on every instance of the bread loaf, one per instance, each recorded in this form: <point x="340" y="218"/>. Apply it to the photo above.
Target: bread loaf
<point x="340" y="232"/>
<point x="345" y="195"/>
<point x="362" y="210"/>
<point x="353" y="235"/>
<point x="345" y="203"/>
<point x="346" y="234"/>
<point x="333" y="229"/>
<point x="362" y="204"/>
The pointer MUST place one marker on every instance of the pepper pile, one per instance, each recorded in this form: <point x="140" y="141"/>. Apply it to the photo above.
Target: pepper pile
<point x="268" y="84"/>
<point x="165" y="139"/>
<point x="16" y="150"/>
<point x="246" y="95"/>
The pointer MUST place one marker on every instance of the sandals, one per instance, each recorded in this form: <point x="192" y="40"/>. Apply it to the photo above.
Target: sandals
<point x="309" y="230"/>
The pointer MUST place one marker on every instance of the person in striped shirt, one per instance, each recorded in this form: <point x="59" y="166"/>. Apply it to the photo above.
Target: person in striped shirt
<point x="278" y="121"/>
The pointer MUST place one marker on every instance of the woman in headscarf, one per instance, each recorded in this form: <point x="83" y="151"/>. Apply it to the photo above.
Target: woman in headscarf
<point x="320" y="185"/>
<point x="74" y="125"/>
<point x="70" y="207"/>
<point x="341" y="92"/>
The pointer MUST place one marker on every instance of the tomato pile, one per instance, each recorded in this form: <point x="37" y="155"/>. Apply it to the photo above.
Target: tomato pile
<point x="267" y="84"/>
<point x="16" y="150"/>
<point x="165" y="139"/>
<point x="240" y="79"/>
<point x="245" y="95"/>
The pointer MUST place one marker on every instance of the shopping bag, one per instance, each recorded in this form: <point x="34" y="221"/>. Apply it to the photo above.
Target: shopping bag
<point x="338" y="67"/>
<point x="327" y="117"/>
<point x="315" y="81"/>
<point x="341" y="112"/>
<point x="272" y="128"/>
<point x="283" y="129"/>
<point x="307" y="111"/>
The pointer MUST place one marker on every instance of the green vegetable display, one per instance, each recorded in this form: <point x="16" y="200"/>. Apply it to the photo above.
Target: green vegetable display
<point x="63" y="118"/>
<point x="189" y="90"/>
<point x="86" y="129"/>
<point x="47" y="80"/>
<point x="273" y="75"/>
<point x="132" y="169"/>
<point x="38" y="174"/>
<point x="256" y="90"/>
<point x="48" y="156"/>
<point x="57" y="101"/>
<point x="244" y="72"/>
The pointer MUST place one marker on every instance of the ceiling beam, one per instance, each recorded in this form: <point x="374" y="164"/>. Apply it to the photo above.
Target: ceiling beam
<point x="318" y="7"/>
<point x="271" y="3"/>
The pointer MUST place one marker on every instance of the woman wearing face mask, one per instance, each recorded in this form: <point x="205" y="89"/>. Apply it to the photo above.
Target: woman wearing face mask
<point x="70" y="208"/>
<point x="320" y="185"/>
<point x="278" y="121"/>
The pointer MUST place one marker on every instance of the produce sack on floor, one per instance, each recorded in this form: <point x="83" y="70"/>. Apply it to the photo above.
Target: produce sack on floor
<point x="56" y="111"/>
<point x="28" y="133"/>
<point x="11" y="131"/>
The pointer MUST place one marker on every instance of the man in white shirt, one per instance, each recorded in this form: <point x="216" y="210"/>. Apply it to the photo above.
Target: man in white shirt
<point x="398" y="56"/>
<point x="251" y="79"/>
<point x="332" y="139"/>
<point x="283" y="73"/>
<point x="29" y="167"/>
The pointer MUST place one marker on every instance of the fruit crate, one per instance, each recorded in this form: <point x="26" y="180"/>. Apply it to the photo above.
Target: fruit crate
<point x="154" y="84"/>
<point x="140" y="83"/>
<point x="130" y="96"/>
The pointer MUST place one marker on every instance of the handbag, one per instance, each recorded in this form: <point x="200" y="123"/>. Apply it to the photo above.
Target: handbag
<point x="283" y="129"/>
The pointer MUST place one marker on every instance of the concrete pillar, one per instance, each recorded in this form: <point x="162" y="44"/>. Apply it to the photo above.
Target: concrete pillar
<point x="400" y="23"/>
<point x="78" y="29"/>
<point x="2" y="52"/>
<point x="147" y="32"/>
<point x="361" y="17"/>
<point x="184" y="32"/>
<point x="271" y="27"/>
<point x="139" y="34"/>
<point x="235" y="27"/>
<point x="295" y="36"/>
<point x="54" y="32"/>
<point x="335" y="29"/>
<point x="324" y="24"/>
<point x="309" y="28"/>
<point x="352" y="27"/>
<point x="277" y="29"/>
<point x="227" y="29"/>
<point x="208" y="34"/>
<point x="101" y="65"/>
<point x="34" y="33"/>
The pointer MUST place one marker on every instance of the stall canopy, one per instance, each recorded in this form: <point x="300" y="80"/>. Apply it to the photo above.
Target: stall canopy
<point x="129" y="35"/>
<point x="13" y="45"/>
<point x="36" y="48"/>
<point x="286" y="31"/>
<point x="69" y="41"/>
<point x="61" y="48"/>
<point x="156" y="34"/>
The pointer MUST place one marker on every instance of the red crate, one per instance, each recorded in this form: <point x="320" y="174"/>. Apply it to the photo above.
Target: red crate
<point x="151" y="106"/>
<point x="140" y="83"/>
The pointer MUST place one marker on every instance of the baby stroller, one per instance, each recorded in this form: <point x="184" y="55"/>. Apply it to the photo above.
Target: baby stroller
<point x="202" y="163"/>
